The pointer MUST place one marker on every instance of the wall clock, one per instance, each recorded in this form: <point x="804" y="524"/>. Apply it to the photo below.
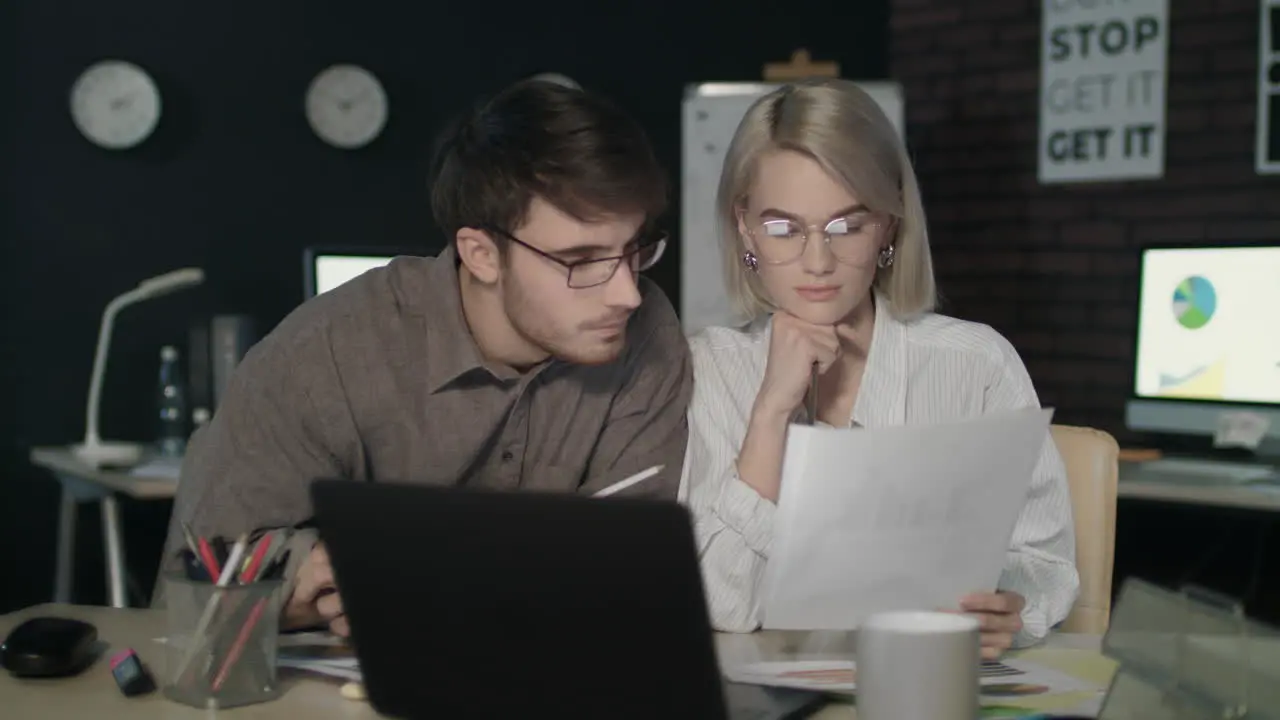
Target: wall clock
<point x="558" y="79"/>
<point x="346" y="106"/>
<point x="115" y="104"/>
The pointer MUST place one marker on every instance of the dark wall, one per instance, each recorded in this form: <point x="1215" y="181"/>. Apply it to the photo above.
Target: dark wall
<point x="1055" y="268"/>
<point x="235" y="182"/>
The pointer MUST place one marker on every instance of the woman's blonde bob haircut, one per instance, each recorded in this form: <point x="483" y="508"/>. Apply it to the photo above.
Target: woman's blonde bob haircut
<point x="844" y="130"/>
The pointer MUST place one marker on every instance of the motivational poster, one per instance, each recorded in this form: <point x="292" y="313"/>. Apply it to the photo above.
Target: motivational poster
<point x="1103" y="67"/>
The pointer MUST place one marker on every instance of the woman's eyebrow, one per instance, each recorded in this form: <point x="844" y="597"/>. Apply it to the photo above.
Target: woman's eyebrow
<point x="851" y="210"/>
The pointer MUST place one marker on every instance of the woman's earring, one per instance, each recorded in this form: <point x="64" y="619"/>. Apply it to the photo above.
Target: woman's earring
<point x="750" y="262"/>
<point x="886" y="257"/>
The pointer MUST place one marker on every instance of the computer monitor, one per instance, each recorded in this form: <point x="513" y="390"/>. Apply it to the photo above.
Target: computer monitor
<point x="1208" y="339"/>
<point x="325" y="268"/>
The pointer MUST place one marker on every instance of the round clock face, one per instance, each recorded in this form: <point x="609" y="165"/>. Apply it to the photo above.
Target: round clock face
<point x="115" y="104"/>
<point x="558" y="79"/>
<point x="346" y="106"/>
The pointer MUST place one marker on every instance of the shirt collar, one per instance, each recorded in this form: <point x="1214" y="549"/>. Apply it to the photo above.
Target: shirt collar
<point x="882" y="396"/>
<point x="451" y="349"/>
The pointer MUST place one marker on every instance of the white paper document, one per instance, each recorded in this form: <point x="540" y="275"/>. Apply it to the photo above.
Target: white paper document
<point x="346" y="671"/>
<point x="901" y="518"/>
<point x="1012" y="676"/>
<point x="319" y="653"/>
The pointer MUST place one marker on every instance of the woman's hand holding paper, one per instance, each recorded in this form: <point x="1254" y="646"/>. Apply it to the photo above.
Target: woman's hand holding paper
<point x="999" y="615"/>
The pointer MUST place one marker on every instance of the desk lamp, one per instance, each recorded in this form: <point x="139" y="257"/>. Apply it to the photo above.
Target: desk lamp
<point x="94" y="451"/>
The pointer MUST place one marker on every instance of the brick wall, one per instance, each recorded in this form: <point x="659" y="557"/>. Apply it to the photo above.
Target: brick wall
<point x="1055" y="267"/>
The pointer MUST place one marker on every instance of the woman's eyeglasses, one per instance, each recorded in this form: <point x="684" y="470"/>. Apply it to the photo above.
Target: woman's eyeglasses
<point x="780" y="240"/>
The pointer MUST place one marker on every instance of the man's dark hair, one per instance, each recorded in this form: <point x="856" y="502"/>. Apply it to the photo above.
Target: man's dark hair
<point x="573" y="149"/>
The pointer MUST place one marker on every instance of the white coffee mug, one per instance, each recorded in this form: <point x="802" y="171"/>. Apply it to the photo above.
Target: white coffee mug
<point x="917" y="664"/>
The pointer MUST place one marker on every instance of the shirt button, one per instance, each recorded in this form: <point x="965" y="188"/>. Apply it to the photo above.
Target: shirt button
<point x="507" y="456"/>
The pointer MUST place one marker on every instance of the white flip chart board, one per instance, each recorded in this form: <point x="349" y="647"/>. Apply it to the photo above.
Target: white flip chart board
<point x="712" y="112"/>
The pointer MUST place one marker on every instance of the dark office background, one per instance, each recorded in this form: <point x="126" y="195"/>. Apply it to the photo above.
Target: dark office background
<point x="235" y="181"/>
<point x="1054" y="267"/>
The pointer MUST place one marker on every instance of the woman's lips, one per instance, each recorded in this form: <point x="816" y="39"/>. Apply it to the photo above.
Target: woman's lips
<point x="817" y="293"/>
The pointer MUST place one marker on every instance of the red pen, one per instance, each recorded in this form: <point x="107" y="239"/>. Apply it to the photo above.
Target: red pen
<point x="210" y="560"/>
<point x="250" y="574"/>
<point x="242" y="639"/>
<point x="252" y="567"/>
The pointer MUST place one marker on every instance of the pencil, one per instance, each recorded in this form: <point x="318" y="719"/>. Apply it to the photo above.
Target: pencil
<point x="251" y="574"/>
<point x="190" y="539"/>
<point x="624" y="484"/>
<point x="242" y="639"/>
<point x="202" y="627"/>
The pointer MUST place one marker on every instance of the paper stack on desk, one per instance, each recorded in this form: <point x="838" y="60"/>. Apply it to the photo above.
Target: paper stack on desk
<point x="1011" y="676"/>
<point x="319" y="653"/>
<point x="344" y="669"/>
<point x="895" y="518"/>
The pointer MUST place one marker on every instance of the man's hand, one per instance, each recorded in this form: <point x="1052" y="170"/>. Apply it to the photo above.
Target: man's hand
<point x="315" y="599"/>
<point x="999" y="617"/>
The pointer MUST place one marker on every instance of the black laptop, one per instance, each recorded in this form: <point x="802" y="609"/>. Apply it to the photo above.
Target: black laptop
<point x="467" y="603"/>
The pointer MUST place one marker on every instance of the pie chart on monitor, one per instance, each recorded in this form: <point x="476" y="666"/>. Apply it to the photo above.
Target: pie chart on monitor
<point x="1194" y="302"/>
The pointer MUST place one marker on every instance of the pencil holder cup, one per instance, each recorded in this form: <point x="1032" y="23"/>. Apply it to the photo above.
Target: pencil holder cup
<point x="221" y="643"/>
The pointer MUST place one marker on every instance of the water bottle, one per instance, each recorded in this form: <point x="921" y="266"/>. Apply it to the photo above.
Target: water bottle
<point x="173" y="405"/>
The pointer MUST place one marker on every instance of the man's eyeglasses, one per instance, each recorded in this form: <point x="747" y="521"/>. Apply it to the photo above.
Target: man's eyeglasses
<point x="598" y="271"/>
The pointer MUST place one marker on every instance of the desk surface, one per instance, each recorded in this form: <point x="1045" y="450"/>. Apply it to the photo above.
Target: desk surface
<point x="62" y="461"/>
<point x="94" y="693"/>
<point x="1148" y="486"/>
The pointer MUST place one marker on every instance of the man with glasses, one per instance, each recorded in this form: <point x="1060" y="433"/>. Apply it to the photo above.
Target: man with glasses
<point x="530" y="354"/>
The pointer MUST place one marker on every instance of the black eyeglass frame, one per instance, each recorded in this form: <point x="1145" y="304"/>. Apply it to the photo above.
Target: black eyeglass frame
<point x="659" y="239"/>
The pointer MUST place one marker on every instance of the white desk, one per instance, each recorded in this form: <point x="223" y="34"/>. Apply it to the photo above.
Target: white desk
<point x="1265" y="497"/>
<point x="82" y="483"/>
<point x="94" y="694"/>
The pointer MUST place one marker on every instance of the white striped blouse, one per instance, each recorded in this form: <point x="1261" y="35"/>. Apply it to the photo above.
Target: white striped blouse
<point x="932" y="369"/>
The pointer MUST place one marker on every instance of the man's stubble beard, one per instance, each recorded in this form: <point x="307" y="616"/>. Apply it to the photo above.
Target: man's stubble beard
<point x="526" y="315"/>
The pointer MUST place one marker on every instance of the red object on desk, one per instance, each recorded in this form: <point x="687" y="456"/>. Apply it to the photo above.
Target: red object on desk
<point x="130" y="675"/>
<point x="254" y="566"/>
<point x="210" y="560"/>
<point x="250" y="574"/>
<point x="242" y="639"/>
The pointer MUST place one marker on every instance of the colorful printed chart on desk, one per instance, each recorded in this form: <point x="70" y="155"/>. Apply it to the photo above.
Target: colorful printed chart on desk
<point x="1090" y="671"/>
<point x="822" y="675"/>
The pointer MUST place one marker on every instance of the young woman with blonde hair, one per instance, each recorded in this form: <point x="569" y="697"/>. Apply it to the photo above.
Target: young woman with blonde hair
<point x="827" y="256"/>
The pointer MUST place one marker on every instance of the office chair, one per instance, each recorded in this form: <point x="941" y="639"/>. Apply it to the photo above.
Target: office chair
<point x="1092" y="458"/>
